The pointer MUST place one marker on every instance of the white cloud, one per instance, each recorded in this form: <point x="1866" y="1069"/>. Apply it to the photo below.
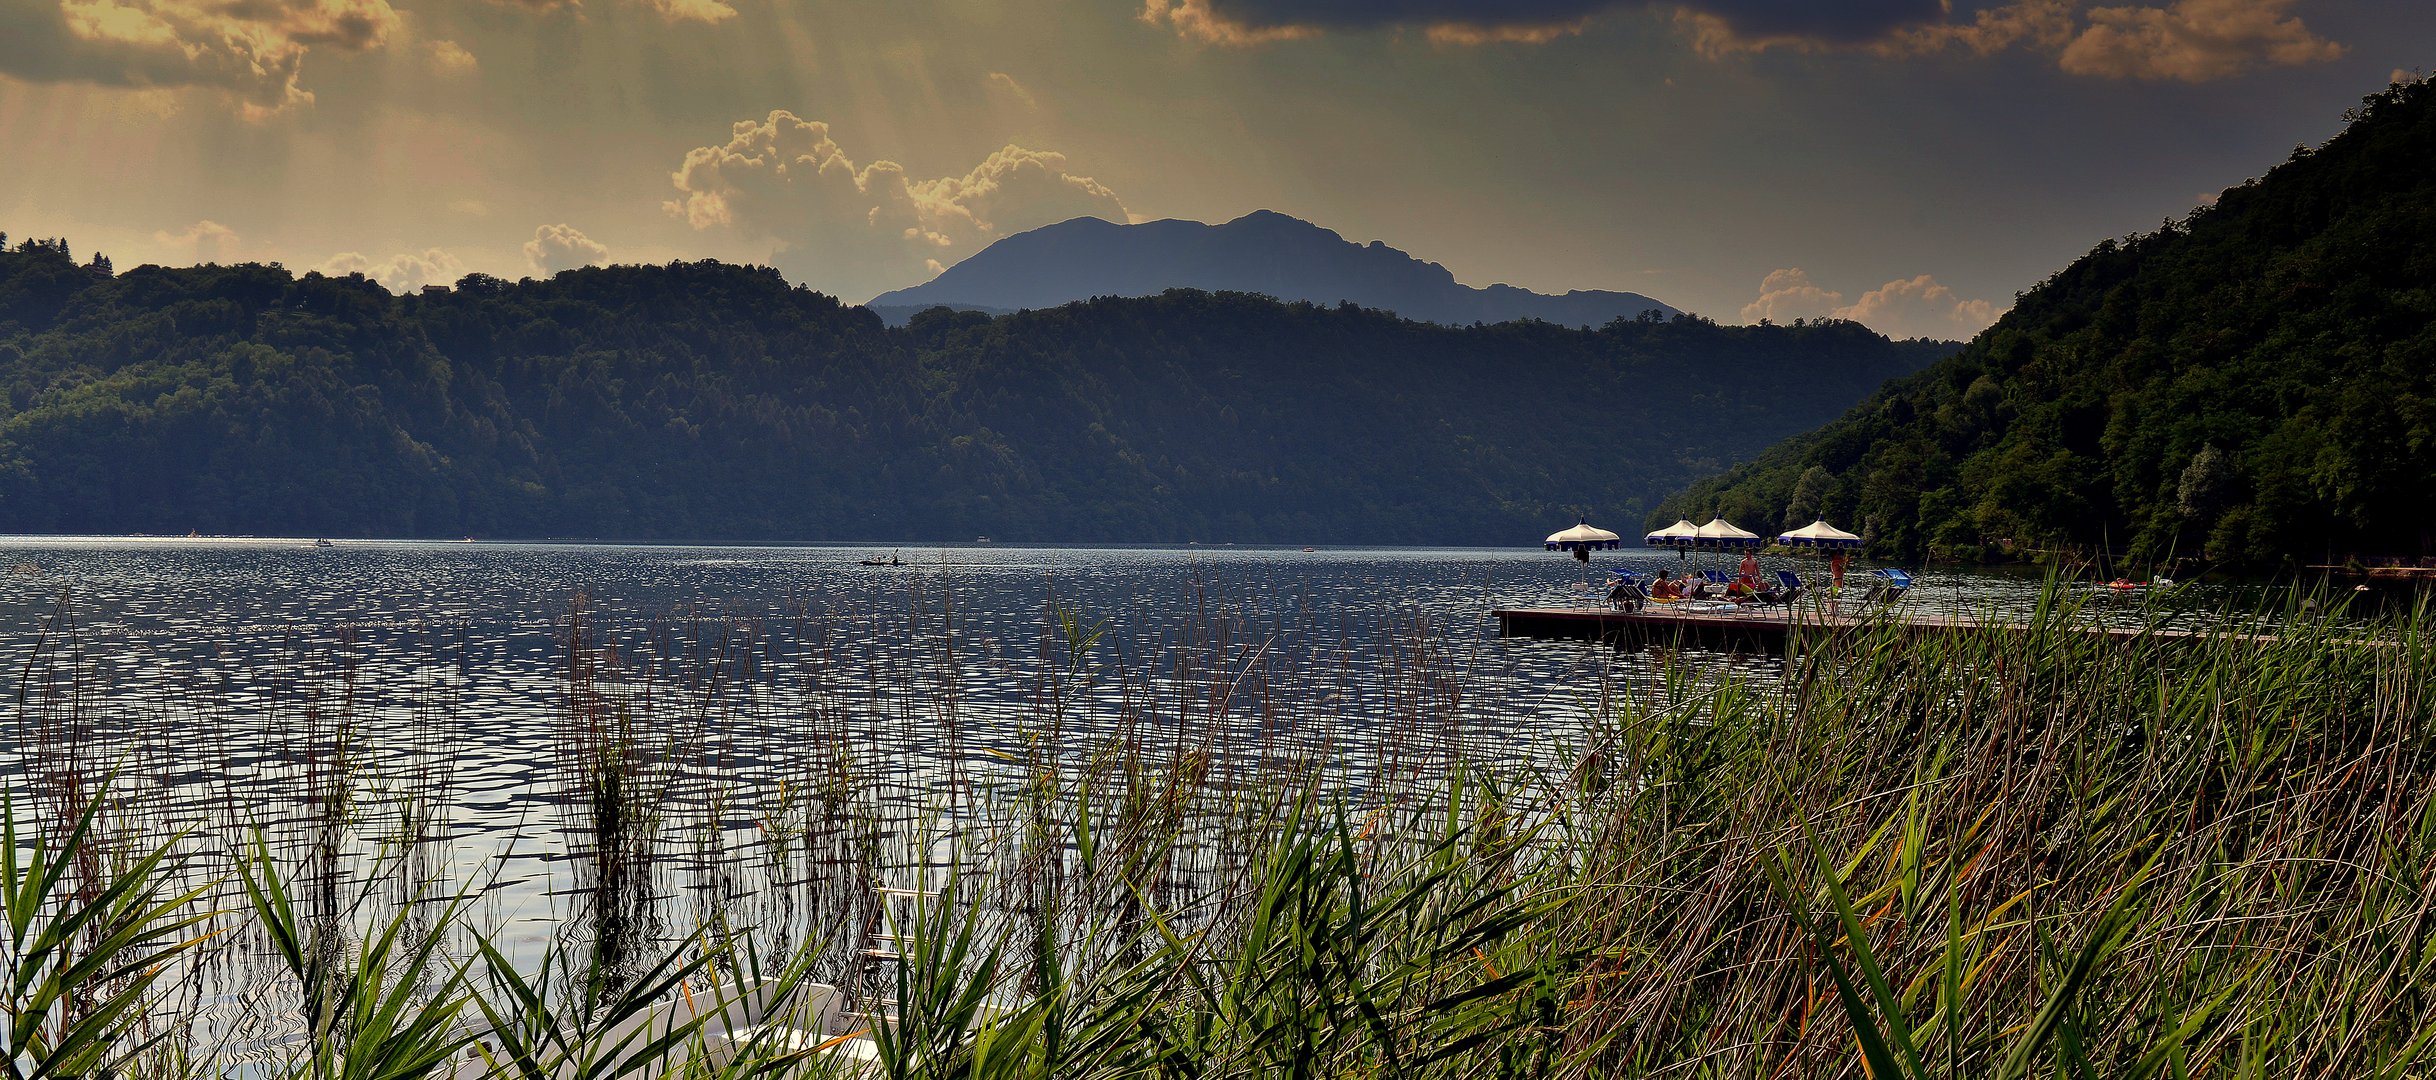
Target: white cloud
<point x="786" y="182"/>
<point x="1903" y="308"/>
<point x="449" y="58"/>
<point x="1789" y="294"/>
<point x="1919" y="307"/>
<point x="204" y="241"/>
<point x="562" y="247"/>
<point x="253" y="50"/>
<point x="398" y="273"/>
<point x="1005" y="84"/>
<point x="701" y="11"/>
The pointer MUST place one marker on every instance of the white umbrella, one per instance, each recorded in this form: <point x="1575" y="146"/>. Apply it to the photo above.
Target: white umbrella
<point x="1581" y="540"/>
<point x="1819" y="534"/>
<point x="1583" y="537"/>
<point x="1721" y="533"/>
<point x="1681" y="534"/>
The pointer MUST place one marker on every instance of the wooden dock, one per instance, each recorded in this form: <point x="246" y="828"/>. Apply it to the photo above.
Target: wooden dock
<point x="1750" y="626"/>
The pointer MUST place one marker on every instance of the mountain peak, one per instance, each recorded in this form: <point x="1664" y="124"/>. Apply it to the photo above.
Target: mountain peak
<point x="1260" y="252"/>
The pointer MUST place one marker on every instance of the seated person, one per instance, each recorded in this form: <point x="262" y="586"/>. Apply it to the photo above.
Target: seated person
<point x="1665" y="588"/>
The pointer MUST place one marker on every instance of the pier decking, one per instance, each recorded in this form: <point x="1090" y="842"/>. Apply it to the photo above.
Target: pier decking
<point x="1750" y="626"/>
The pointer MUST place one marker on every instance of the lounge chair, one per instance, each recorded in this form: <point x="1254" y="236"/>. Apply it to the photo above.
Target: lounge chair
<point x="1627" y="594"/>
<point x="1788" y="589"/>
<point x="1889" y="584"/>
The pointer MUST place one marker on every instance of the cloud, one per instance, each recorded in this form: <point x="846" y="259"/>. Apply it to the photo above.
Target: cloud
<point x="1478" y="22"/>
<point x="1722" y="28"/>
<point x="2193" y="41"/>
<point x="1903" y="308"/>
<point x="253" y="50"/>
<point x="449" y="58"/>
<point x="710" y="12"/>
<point x="1789" y="294"/>
<point x="1462" y="33"/>
<point x="701" y="11"/>
<point x="202" y="242"/>
<point x="1195" y="19"/>
<point x="1919" y="307"/>
<point x="1003" y="83"/>
<point x="2189" y="40"/>
<point x="562" y="247"/>
<point x="399" y="273"/>
<point x="786" y="181"/>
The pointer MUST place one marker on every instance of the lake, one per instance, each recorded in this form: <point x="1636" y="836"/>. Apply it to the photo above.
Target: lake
<point x="438" y="715"/>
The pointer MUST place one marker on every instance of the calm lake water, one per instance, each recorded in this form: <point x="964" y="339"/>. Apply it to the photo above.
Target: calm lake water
<point x="425" y="703"/>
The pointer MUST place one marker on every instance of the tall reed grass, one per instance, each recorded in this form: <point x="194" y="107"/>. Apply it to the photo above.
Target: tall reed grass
<point x="2039" y="851"/>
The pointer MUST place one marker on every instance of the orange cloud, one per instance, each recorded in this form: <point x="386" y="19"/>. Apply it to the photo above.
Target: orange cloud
<point x="1194" y="19"/>
<point x="2044" y="24"/>
<point x="2193" y="41"/>
<point x="1466" y="33"/>
<point x="2189" y="40"/>
<point x="253" y="50"/>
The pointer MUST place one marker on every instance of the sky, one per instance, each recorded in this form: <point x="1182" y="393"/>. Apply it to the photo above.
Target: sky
<point x="1908" y="163"/>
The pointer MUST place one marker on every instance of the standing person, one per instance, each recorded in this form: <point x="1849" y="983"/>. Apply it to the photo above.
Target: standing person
<point x="1835" y="568"/>
<point x="1750" y="567"/>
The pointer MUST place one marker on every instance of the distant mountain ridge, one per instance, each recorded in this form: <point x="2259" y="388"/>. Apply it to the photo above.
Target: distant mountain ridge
<point x="1261" y="252"/>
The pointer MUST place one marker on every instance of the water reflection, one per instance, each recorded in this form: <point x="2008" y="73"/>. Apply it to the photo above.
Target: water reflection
<point x="612" y="747"/>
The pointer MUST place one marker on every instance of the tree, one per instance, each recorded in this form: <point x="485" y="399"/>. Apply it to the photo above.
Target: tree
<point x="1809" y="495"/>
<point x="2205" y="483"/>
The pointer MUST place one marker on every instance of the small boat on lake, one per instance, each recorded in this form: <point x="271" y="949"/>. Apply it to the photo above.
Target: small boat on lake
<point x="891" y="560"/>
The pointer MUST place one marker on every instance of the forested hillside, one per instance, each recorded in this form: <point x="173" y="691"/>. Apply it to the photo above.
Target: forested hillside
<point x="709" y="401"/>
<point x="2257" y="383"/>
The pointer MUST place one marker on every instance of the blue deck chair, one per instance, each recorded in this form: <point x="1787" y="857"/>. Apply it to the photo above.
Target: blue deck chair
<point x="1788" y="588"/>
<point x="1889" y="584"/>
<point x="1627" y="594"/>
